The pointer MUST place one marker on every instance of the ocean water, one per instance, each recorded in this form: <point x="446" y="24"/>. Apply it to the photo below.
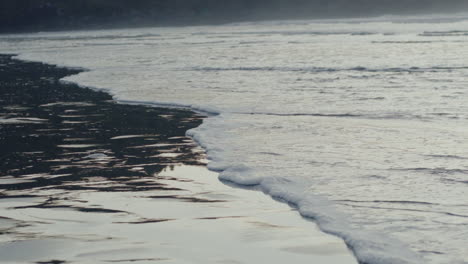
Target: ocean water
<point x="362" y="124"/>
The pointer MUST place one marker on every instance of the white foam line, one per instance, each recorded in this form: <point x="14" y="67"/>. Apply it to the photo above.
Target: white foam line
<point x="369" y="247"/>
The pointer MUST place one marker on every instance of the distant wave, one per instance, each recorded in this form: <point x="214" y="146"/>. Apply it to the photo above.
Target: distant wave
<point x="288" y="33"/>
<point x="83" y="37"/>
<point x="444" y="33"/>
<point x="325" y="69"/>
<point x="375" y="116"/>
<point x="407" y="42"/>
<point x="304" y="114"/>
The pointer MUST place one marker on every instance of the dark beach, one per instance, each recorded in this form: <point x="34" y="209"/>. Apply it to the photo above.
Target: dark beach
<point x="84" y="179"/>
<point x="61" y="136"/>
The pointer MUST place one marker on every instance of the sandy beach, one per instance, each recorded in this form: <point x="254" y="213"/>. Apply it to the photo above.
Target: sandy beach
<point x="84" y="179"/>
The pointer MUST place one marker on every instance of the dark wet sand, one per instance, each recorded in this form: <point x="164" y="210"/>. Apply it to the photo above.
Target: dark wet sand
<point x="61" y="136"/>
<point x="84" y="179"/>
<point x="59" y="139"/>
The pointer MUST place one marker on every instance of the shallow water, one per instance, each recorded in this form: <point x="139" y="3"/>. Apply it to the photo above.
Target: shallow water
<point x="360" y="123"/>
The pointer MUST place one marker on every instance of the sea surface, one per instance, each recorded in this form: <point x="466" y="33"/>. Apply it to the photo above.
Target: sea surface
<point x="361" y="124"/>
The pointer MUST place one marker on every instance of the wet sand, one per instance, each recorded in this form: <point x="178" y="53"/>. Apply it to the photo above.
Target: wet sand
<point x="84" y="179"/>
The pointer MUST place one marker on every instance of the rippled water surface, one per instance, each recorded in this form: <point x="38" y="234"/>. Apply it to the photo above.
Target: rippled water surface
<point x="360" y="123"/>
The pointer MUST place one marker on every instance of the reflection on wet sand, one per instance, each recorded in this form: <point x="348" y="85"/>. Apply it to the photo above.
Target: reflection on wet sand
<point x="86" y="180"/>
<point x="102" y="146"/>
<point x="59" y="141"/>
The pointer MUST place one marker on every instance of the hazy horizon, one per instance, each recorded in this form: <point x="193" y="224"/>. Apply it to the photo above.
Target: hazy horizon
<point x="67" y="14"/>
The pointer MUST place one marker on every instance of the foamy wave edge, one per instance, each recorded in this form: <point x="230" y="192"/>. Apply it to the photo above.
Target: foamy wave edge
<point x="368" y="247"/>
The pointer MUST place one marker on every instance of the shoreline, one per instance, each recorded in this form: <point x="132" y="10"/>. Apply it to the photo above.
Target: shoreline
<point x="128" y="178"/>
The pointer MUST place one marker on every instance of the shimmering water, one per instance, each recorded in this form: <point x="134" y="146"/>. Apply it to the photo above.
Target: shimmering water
<point x="360" y="123"/>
